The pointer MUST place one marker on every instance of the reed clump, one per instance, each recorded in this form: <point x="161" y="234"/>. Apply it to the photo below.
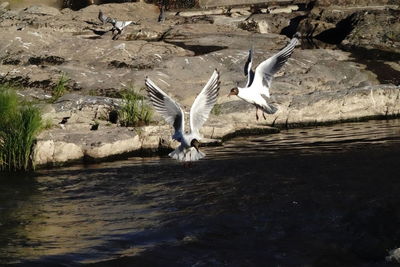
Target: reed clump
<point x="20" y="122"/>
<point x="134" y="110"/>
<point x="60" y="88"/>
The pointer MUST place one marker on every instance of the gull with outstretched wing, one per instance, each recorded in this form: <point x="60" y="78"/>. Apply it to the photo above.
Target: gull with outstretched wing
<point x="259" y="82"/>
<point x="188" y="150"/>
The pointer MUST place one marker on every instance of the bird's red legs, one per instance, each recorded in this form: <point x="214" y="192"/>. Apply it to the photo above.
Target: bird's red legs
<point x="256" y="113"/>
<point x="264" y="116"/>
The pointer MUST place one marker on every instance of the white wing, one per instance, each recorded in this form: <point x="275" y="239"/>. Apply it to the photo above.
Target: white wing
<point x="122" y="24"/>
<point x="166" y="106"/>
<point x="203" y="103"/>
<point x="265" y="71"/>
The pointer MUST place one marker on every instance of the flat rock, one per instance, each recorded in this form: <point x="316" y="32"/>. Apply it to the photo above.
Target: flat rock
<point x="39" y="45"/>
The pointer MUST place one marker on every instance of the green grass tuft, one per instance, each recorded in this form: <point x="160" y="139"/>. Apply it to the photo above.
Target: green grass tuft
<point x="60" y="88"/>
<point x="134" y="111"/>
<point x="19" y="124"/>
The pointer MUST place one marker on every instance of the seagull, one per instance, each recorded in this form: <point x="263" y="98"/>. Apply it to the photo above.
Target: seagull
<point x="118" y="26"/>
<point x="188" y="150"/>
<point x="259" y="82"/>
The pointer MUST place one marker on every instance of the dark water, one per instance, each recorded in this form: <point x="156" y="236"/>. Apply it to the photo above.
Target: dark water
<point x="324" y="196"/>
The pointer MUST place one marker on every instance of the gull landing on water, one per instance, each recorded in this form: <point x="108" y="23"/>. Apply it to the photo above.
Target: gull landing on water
<point x="259" y="82"/>
<point x="188" y="150"/>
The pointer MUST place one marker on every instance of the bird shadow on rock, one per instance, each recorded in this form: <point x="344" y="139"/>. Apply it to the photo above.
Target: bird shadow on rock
<point x="99" y="32"/>
<point x="92" y="23"/>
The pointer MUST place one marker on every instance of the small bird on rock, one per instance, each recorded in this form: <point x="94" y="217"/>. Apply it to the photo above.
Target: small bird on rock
<point x="63" y="122"/>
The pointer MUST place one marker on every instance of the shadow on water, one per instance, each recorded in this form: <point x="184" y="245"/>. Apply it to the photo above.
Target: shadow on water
<point x="313" y="196"/>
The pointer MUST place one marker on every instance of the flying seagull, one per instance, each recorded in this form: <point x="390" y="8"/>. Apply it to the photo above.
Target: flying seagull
<point x="118" y="26"/>
<point x="259" y="82"/>
<point x="188" y="150"/>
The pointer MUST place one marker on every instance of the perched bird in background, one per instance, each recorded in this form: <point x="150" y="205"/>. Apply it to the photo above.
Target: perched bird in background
<point x="259" y="82"/>
<point x="188" y="150"/>
<point x="63" y="122"/>
<point x="161" y="17"/>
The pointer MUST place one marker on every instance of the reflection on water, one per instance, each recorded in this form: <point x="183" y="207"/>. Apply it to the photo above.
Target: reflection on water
<point x="315" y="140"/>
<point x="287" y="199"/>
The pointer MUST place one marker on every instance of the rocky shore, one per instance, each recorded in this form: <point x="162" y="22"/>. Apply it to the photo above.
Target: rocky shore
<point x="347" y="68"/>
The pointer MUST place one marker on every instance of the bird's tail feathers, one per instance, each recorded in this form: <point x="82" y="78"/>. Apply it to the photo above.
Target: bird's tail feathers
<point x="190" y="154"/>
<point x="269" y="109"/>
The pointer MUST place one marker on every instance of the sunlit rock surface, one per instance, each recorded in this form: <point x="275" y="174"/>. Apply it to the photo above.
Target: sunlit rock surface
<point x="322" y="81"/>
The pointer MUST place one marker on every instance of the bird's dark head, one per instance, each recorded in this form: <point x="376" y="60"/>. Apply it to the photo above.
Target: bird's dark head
<point x="195" y="143"/>
<point x="234" y="91"/>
